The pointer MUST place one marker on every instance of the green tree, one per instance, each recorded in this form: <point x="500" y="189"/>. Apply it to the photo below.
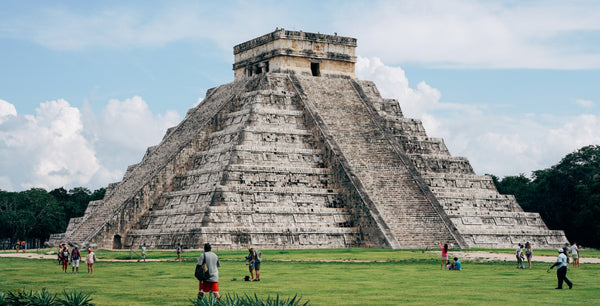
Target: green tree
<point x="567" y="195"/>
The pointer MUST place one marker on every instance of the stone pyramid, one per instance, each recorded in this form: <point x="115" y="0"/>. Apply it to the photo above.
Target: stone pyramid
<point x="298" y="153"/>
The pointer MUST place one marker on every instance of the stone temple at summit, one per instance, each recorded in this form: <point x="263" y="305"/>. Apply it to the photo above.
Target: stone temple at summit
<point x="297" y="152"/>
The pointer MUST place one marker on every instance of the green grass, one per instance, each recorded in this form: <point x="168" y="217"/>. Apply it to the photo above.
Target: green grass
<point x="409" y="277"/>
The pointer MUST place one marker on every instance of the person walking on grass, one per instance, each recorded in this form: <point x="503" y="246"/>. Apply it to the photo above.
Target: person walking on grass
<point x="24" y="246"/>
<point x="75" y="257"/>
<point x="528" y="253"/>
<point x="18" y="245"/>
<point x="143" y="253"/>
<point x="64" y="255"/>
<point x="561" y="270"/>
<point x="90" y="259"/>
<point x="178" y="252"/>
<point x="444" y="253"/>
<point x="575" y="254"/>
<point x="211" y="285"/>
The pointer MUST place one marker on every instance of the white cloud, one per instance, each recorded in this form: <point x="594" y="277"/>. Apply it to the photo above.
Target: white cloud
<point x="584" y="103"/>
<point x="463" y="33"/>
<point x="7" y="110"/>
<point x="63" y="146"/>
<point x="493" y="143"/>
<point x="453" y="33"/>
<point x="47" y="149"/>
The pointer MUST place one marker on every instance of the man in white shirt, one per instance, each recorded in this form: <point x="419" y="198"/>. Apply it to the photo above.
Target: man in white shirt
<point x="561" y="270"/>
<point x="519" y="254"/>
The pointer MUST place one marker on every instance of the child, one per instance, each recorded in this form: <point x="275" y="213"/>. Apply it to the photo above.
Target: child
<point x="457" y="265"/>
<point x="90" y="259"/>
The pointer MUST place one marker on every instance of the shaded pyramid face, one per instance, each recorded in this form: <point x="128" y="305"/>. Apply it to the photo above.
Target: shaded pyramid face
<point x="289" y="160"/>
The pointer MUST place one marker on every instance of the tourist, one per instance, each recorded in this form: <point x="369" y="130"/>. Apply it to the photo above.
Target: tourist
<point x="75" y="257"/>
<point x="90" y="259"/>
<point x="24" y="246"/>
<point x="561" y="270"/>
<point x="18" y="245"/>
<point x="444" y="253"/>
<point x="143" y="253"/>
<point x="449" y="265"/>
<point x="211" y="285"/>
<point x="456" y="265"/>
<point x="253" y="264"/>
<point x="575" y="255"/>
<point x="178" y="252"/>
<point x="59" y="258"/>
<point x="519" y="254"/>
<point x="64" y="255"/>
<point x="528" y="253"/>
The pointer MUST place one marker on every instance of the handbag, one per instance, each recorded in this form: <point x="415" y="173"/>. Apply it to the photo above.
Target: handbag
<point x="201" y="272"/>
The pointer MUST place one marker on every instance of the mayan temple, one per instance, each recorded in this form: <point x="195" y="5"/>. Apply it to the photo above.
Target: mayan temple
<point x="297" y="152"/>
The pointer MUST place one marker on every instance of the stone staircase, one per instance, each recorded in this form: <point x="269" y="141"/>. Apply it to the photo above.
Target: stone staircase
<point x="260" y="181"/>
<point x="401" y="204"/>
<point x="483" y="217"/>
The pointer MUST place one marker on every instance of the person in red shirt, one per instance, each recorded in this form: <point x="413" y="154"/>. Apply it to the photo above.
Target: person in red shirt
<point x="444" y="254"/>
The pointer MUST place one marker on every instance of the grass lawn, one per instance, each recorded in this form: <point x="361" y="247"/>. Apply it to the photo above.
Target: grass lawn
<point x="407" y="277"/>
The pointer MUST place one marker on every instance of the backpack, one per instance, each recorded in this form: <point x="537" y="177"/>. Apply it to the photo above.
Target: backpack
<point x="75" y="254"/>
<point x="258" y="256"/>
<point x="201" y="272"/>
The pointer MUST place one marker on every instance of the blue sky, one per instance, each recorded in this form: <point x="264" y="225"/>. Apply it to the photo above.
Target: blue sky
<point x="86" y="87"/>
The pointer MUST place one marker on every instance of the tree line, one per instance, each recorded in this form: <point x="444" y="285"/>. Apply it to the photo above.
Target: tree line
<point x="567" y="195"/>
<point x="36" y="213"/>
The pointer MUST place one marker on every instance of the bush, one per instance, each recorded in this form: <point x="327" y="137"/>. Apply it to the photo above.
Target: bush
<point x="44" y="298"/>
<point x="235" y="300"/>
<point x="76" y="298"/>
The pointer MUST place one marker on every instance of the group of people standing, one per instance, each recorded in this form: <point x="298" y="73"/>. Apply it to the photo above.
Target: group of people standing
<point x="456" y="265"/>
<point x="21" y="245"/>
<point x="65" y="256"/>
<point x="522" y="252"/>
<point x="211" y="285"/>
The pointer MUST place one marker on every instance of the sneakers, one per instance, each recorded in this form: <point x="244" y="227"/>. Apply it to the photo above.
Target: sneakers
<point x="570" y="286"/>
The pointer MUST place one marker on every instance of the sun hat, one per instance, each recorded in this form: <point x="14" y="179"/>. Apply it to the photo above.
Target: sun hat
<point x="560" y="250"/>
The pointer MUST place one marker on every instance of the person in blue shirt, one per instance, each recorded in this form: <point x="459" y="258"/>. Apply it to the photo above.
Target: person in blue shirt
<point x="561" y="270"/>
<point x="457" y="265"/>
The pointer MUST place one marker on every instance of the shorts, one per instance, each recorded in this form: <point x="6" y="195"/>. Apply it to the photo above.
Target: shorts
<point x="143" y="256"/>
<point x="575" y="256"/>
<point x="65" y="262"/>
<point x="75" y="263"/>
<point x="444" y="257"/>
<point x="251" y="266"/>
<point x="207" y="287"/>
<point x="528" y="255"/>
<point x="257" y="266"/>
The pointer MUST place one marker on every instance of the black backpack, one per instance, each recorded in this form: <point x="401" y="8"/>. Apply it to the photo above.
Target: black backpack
<point x="201" y="272"/>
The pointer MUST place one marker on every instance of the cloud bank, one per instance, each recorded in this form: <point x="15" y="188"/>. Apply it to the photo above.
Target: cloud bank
<point x="62" y="145"/>
<point x="454" y="33"/>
